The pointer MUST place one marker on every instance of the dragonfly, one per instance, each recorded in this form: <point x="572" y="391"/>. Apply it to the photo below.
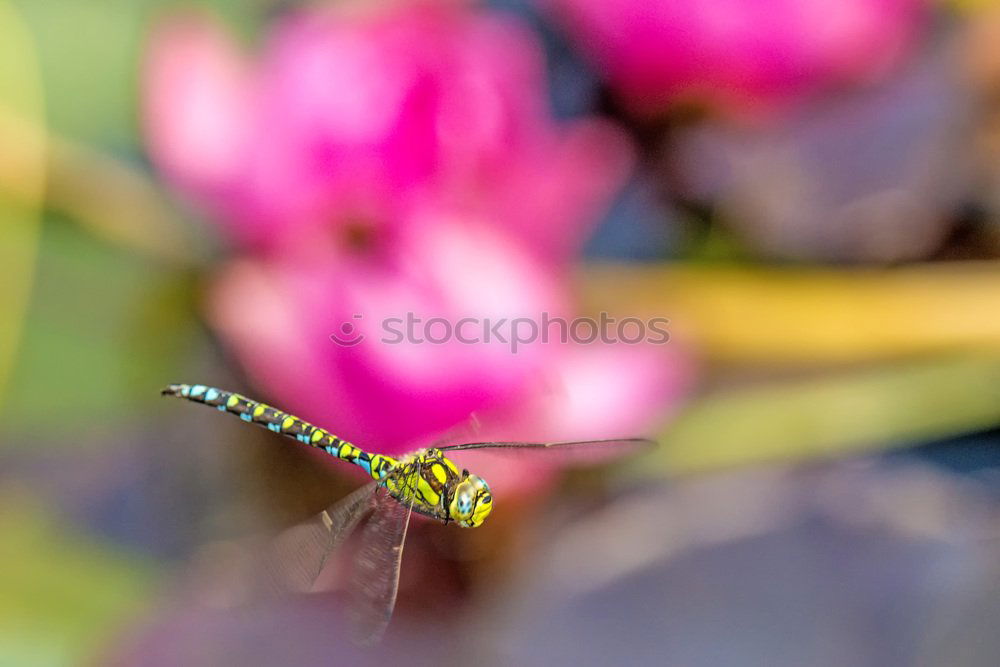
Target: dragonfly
<point x="425" y="482"/>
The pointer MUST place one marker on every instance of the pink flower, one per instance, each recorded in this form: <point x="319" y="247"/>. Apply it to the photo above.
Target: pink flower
<point x="352" y="117"/>
<point x="739" y="53"/>
<point x="380" y="163"/>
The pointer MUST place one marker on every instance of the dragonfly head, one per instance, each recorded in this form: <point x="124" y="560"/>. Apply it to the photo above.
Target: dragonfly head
<point x="471" y="502"/>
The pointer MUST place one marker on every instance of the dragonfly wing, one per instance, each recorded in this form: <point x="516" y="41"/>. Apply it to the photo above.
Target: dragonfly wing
<point x="375" y="579"/>
<point x="585" y="451"/>
<point x="293" y="560"/>
<point x="464" y="431"/>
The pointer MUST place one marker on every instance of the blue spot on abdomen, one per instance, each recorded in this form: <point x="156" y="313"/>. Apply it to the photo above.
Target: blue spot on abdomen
<point x="365" y="464"/>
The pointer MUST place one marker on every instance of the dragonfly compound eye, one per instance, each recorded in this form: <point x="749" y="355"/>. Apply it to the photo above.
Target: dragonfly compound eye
<point x="472" y="502"/>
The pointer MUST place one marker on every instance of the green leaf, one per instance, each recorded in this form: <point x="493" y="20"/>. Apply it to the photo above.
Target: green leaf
<point x="104" y="329"/>
<point x="62" y="597"/>
<point x="89" y="51"/>
<point x="22" y="169"/>
<point x="847" y="414"/>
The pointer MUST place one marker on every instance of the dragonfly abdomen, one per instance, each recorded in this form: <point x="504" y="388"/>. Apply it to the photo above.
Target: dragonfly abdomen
<point x="281" y="422"/>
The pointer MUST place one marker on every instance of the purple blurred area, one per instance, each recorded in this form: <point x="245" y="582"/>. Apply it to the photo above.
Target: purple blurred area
<point x="873" y="175"/>
<point x="850" y="564"/>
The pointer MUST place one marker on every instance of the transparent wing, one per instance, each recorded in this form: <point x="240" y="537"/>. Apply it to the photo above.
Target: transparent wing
<point x="293" y="560"/>
<point x="592" y="451"/>
<point x="375" y="579"/>
<point x="463" y="431"/>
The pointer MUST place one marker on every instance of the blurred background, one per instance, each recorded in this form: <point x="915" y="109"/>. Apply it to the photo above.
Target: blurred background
<point x="205" y="192"/>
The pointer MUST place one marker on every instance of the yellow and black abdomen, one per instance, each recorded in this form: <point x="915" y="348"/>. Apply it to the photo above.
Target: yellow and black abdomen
<point x="288" y="425"/>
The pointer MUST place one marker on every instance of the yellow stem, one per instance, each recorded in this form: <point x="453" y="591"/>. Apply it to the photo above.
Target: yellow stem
<point x="809" y="316"/>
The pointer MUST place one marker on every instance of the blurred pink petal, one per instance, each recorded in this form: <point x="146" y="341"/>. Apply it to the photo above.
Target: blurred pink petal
<point x="369" y="115"/>
<point x="554" y="203"/>
<point x="586" y="392"/>
<point x="284" y="336"/>
<point x="739" y="53"/>
<point x="611" y="391"/>
<point x="197" y="103"/>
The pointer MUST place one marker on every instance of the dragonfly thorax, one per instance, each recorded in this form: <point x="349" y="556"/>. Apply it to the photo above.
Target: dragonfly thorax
<point x="434" y="486"/>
